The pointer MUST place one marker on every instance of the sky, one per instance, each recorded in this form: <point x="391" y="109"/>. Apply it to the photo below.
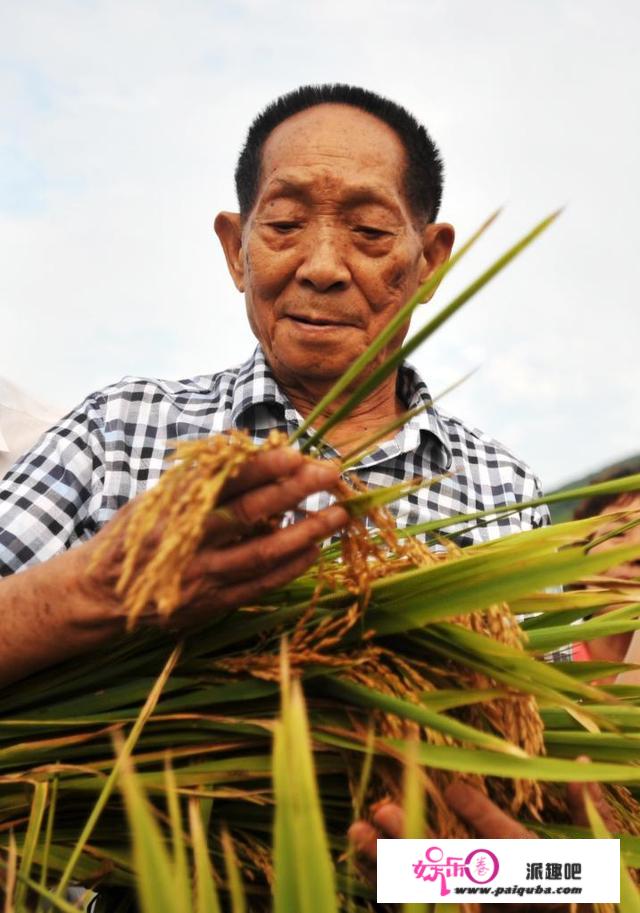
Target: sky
<point x="120" y="123"/>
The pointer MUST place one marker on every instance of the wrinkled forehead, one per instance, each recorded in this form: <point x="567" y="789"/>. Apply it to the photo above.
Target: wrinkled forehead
<point x="319" y="185"/>
<point x="332" y="144"/>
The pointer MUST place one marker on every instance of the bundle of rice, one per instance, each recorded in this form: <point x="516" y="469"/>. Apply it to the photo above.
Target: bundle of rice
<point x="392" y="641"/>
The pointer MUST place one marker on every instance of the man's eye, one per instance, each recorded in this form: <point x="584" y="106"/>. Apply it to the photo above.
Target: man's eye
<point x="371" y="233"/>
<point x="284" y="227"/>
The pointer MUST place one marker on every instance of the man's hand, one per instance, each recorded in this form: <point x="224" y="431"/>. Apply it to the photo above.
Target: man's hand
<point x="241" y="557"/>
<point x="59" y="608"/>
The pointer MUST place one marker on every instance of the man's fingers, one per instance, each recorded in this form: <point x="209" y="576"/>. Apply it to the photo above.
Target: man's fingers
<point x="255" y="506"/>
<point x="255" y="557"/>
<point x="483" y="815"/>
<point x="204" y="601"/>
<point x="576" y="801"/>
<point x="389" y="819"/>
<point x="264" y="467"/>
<point x="248" y="593"/>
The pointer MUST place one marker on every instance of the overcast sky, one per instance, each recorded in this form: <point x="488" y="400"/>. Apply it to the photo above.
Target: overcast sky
<point x="119" y="127"/>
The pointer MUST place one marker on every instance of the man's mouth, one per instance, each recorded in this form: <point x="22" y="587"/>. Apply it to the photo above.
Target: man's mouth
<point x="317" y="321"/>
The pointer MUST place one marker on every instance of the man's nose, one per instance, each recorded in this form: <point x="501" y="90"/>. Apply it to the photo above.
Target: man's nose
<point x="323" y="266"/>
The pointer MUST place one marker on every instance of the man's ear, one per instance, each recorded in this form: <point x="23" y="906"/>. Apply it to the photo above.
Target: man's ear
<point x="437" y="243"/>
<point x="229" y="231"/>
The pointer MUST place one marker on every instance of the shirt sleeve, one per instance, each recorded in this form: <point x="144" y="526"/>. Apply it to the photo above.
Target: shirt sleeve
<point x="540" y="515"/>
<point x="49" y="497"/>
<point x="530" y="489"/>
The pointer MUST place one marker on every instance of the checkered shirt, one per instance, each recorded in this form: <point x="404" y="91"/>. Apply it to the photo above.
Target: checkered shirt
<point x="115" y="444"/>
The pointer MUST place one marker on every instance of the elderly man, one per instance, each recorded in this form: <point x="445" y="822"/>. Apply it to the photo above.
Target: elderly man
<point x="339" y="191"/>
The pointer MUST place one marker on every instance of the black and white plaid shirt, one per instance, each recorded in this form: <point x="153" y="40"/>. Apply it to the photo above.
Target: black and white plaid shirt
<point x="114" y="445"/>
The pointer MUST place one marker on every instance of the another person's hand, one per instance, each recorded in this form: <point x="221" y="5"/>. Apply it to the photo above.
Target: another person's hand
<point x="240" y="558"/>
<point x="387" y="820"/>
<point x="483" y="816"/>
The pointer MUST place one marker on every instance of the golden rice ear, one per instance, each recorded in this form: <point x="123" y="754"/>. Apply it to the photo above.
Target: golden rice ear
<point x="162" y="531"/>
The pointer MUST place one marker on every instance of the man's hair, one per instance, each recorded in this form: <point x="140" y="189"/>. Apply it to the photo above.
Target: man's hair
<point x="423" y="175"/>
<point x="594" y="505"/>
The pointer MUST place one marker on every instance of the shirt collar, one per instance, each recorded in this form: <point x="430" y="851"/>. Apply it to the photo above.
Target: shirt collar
<point x="256" y="388"/>
<point x="414" y="393"/>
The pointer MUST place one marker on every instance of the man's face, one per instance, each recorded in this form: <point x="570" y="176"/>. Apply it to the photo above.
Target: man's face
<point x="331" y="250"/>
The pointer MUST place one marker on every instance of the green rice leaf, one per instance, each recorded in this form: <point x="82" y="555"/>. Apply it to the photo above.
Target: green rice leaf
<point x="467" y="760"/>
<point x="303" y="871"/>
<point x="544" y="641"/>
<point x="58" y="903"/>
<point x="206" y="895"/>
<point x="44" y="863"/>
<point x="477" y="581"/>
<point x="614" y="487"/>
<point x="132" y="738"/>
<point x="38" y="805"/>
<point x="618" y="715"/>
<point x="367" y="697"/>
<point x="180" y="864"/>
<point x="413" y="806"/>
<point x="506" y="664"/>
<point x="554" y="608"/>
<point x="234" y="881"/>
<point x="591" y="670"/>
<point x="361" y="504"/>
<point x="156" y="885"/>
<point x="449" y="698"/>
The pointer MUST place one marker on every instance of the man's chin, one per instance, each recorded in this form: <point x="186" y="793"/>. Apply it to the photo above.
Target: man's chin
<point x="321" y="358"/>
<point x="325" y="374"/>
<point x="321" y="368"/>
